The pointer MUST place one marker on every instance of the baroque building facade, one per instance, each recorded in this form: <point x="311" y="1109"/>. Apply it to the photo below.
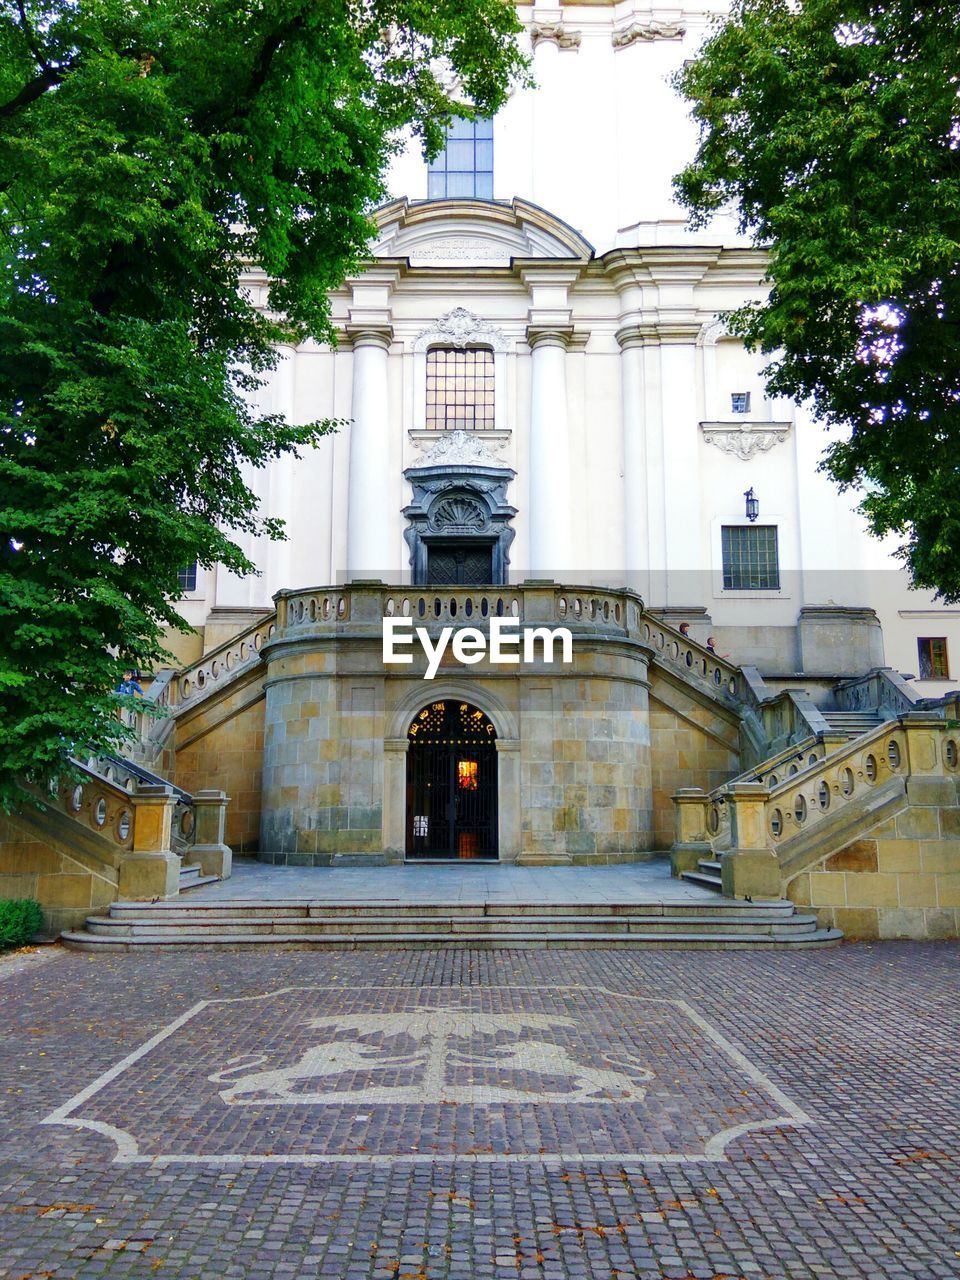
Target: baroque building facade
<point x="542" y="420"/>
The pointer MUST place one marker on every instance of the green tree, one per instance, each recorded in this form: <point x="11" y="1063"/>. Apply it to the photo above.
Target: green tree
<point x="834" y="126"/>
<point x="149" y="150"/>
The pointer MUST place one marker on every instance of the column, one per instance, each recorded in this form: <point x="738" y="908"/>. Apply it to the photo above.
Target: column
<point x="636" y="501"/>
<point x="686" y="561"/>
<point x="550" y="494"/>
<point x="368" y="515"/>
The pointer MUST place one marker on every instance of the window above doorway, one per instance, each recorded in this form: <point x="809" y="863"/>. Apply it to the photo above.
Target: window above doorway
<point x="460" y="389"/>
<point x="464" y="168"/>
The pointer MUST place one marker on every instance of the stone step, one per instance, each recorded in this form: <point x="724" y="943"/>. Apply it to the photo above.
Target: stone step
<point x="710" y="879"/>
<point x="426" y="941"/>
<point x="192" y="877"/>
<point x="710" y="866"/>
<point x="730" y="909"/>
<point x="227" y="927"/>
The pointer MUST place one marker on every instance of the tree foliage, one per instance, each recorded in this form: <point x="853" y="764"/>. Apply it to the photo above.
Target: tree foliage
<point x="149" y="151"/>
<point x="834" y="127"/>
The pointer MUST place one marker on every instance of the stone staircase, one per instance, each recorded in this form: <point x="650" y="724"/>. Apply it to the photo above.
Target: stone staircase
<point x="192" y="877"/>
<point x="852" y="723"/>
<point x="707" y="874"/>
<point x="411" y="926"/>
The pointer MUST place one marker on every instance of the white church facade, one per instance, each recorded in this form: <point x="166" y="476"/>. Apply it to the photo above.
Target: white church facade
<point x="537" y="290"/>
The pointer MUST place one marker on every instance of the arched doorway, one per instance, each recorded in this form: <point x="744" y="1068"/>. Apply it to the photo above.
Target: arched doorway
<point x="452" y="783"/>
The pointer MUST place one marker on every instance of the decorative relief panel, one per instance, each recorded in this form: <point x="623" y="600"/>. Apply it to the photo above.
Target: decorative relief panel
<point x="745" y="441"/>
<point x="555" y="32"/>
<point x="459" y="448"/>
<point x="652" y="30"/>
<point x="461" y="328"/>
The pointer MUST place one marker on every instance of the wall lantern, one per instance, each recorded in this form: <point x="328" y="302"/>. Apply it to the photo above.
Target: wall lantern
<point x="753" y="505"/>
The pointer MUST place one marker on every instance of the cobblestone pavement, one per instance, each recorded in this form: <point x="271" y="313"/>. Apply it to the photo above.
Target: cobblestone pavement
<point x="457" y="1115"/>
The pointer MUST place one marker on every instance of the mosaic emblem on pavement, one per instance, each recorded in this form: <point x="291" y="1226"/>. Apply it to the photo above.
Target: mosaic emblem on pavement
<point x="322" y="1075"/>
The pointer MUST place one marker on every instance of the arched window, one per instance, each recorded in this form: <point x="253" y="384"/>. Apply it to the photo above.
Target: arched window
<point x="460" y="389"/>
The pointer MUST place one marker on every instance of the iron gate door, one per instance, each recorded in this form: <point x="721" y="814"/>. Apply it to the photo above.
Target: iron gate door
<point x="452" y="783"/>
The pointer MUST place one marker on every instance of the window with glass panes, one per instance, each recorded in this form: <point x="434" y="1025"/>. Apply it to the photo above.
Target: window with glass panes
<point x="750" y="560"/>
<point x="465" y="165"/>
<point x="187" y="577"/>
<point x="459" y="389"/>
<point x="932" y="655"/>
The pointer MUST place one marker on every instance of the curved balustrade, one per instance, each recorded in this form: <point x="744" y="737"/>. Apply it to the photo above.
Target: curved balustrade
<point x="457" y="605"/>
<point x="311" y="607"/>
<point x="691" y="658"/>
<point x="129" y="776"/>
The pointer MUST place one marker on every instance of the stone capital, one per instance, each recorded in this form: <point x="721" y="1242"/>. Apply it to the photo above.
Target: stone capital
<point x="637" y="335"/>
<point x="370" y="335"/>
<point x="549" y="336"/>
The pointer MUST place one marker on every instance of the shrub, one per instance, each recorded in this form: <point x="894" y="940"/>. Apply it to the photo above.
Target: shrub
<point x="20" y="919"/>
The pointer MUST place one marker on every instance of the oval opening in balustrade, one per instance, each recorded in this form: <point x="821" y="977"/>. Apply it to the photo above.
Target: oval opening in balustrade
<point x="185" y="688"/>
<point x="325" y="608"/>
<point x="186" y="823"/>
<point x="718" y="677"/>
<point x="606" y="610"/>
<point x="499" y="606"/>
<point x="562" y="607"/>
<point x="405" y="607"/>
<point x="732" y="686"/>
<point x="214" y="669"/>
<point x="100" y="812"/>
<point x="123" y="824"/>
<point x="577" y="607"/>
<point x="244" y="652"/>
<point x="870" y="768"/>
<point x="847" y="782"/>
<point x="713" y="819"/>
<point x="437" y="607"/>
<point x="76" y="799"/>
<point x="341" y="607"/>
<point x="661" y="639"/>
<point x="950" y="754"/>
<point x="228" y="660"/>
<point x="776" y="824"/>
<point x="484" y="606"/>
<point x="422" y="607"/>
<point x="391" y="607"/>
<point x="258" y="641"/>
<point x="646" y="631"/>
<point x="823" y="795"/>
<point x="616" y="612"/>
<point x="688" y="657"/>
<point x="313" y="610"/>
<point x="468" y="607"/>
<point x="201" y="678"/>
<point x="271" y="630"/>
<point x="893" y="753"/>
<point x="800" y="810"/>
<point x="453" y="607"/>
<point x="791" y="770"/>
<point x="812" y="758"/>
<point x="773" y="780"/>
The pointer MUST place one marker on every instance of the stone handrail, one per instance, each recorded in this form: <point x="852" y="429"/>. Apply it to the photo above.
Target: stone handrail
<point x="132" y="778"/>
<point x="692" y="659"/>
<point x="882" y="689"/>
<point x="102" y="805"/>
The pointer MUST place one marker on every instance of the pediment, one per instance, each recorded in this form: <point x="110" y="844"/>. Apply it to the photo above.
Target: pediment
<point x="474" y="233"/>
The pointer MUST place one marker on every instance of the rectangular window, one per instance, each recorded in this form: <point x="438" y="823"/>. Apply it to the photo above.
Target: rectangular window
<point x="464" y="167"/>
<point x="740" y="402"/>
<point x="187" y="577"/>
<point x="932" y="652"/>
<point x="750" y="558"/>
<point x="459" y="389"/>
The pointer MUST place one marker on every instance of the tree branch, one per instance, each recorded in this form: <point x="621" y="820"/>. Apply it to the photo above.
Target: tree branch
<point x="33" y="90"/>
<point x="31" y="37"/>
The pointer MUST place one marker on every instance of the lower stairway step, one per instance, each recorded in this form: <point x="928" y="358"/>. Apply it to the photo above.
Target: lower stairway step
<point x="480" y="941"/>
<point x="709" y="879"/>
<point x="192" y="877"/>
<point x="724" y="923"/>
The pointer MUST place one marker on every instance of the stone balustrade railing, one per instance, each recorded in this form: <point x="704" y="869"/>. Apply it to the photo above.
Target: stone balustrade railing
<point x="882" y="689"/>
<point x="692" y="659"/>
<point x="102" y="805"/>
<point x="133" y="778"/>
<point x="759" y="818"/>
